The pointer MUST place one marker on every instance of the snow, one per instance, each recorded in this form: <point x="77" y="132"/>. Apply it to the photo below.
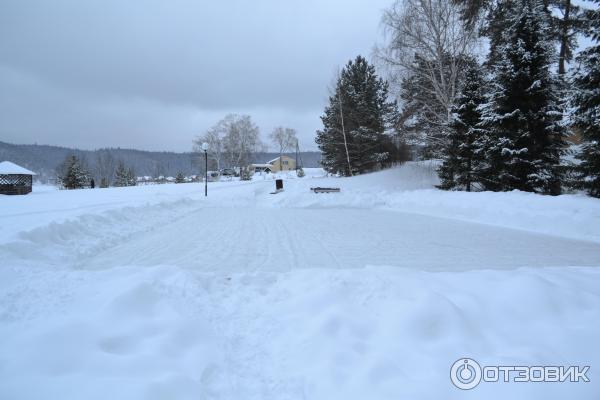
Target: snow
<point x="9" y="168"/>
<point x="156" y="292"/>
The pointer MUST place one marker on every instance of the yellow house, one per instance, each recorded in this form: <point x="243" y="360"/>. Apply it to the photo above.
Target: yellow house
<point x="285" y="164"/>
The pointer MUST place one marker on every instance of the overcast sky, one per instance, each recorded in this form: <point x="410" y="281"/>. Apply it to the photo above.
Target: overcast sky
<point x="153" y="74"/>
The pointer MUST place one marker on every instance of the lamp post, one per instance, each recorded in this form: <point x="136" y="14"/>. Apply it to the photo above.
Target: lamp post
<point x="205" y="148"/>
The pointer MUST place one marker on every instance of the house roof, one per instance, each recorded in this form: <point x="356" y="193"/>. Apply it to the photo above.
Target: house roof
<point x="277" y="159"/>
<point x="9" y="168"/>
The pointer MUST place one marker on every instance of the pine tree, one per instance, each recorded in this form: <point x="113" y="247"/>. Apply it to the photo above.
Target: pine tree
<point x="461" y="159"/>
<point x="180" y="178"/>
<point x="131" y="177"/>
<point x="73" y="175"/>
<point x="587" y="106"/>
<point x="121" y="175"/>
<point x="360" y="109"/>
<point x="524" y="137"/>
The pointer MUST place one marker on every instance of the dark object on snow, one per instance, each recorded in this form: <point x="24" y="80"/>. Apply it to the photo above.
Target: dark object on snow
<point x="92" y="184"/>
<point x="325" y="190"/>
<point x="14" y="179"/>
<point x="228" y="172"/>
<point x="278" y="186"/>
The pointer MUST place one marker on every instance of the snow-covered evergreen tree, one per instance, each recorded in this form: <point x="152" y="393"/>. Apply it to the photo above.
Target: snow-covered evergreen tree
<point x="73" y="174"/>
<point x="461" y="161"/>
<point x="121" y="175"/>
<point x="124" y="176"/>
<point x="524" y="137"/>
<point x="586" y="101"/>
<point x="179" y="178"/>
<point x="131" y="177"/>
<point x="359" y="107"/>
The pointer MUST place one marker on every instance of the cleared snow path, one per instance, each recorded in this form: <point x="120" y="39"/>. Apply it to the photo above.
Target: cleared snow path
<point x="282" y="239"/>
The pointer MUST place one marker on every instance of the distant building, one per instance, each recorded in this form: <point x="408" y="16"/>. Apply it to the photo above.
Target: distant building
<point x="286" y="164"/>
<point x="15" y="179"/>
<point x="254" y="168"/>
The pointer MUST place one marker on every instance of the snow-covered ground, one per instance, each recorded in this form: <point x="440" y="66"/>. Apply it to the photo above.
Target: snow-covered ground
<point x="156" y="292"/>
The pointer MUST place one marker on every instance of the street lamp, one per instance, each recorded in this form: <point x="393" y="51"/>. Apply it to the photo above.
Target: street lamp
<point x="205" y="148"/>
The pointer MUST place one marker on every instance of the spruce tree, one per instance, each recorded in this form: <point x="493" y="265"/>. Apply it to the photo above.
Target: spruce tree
<point x="586" y="102"/>
<point x="179" y="178"/>
<point x="121" y="175"/>
<point x="131" y="177"/>
<point x="73" y="175"/>
<point x="358" y="109"/>
<point x="461" y="160"/>
<point x="524" y="138"/>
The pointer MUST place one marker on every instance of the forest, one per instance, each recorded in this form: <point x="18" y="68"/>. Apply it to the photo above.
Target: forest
<point x="506" y="94"/>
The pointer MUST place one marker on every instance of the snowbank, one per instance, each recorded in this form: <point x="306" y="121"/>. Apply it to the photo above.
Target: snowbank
<point x="410" y="188"/>
<point x="46" y="205"/>
<point x="377" y="333"/>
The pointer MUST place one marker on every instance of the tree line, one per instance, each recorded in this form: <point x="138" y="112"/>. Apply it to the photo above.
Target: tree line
<point x="492" y="88"/>
<point x="233" y="141"/>
<point x="74" y="173"/>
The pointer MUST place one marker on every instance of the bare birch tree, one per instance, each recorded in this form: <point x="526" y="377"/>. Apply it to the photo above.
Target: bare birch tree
<point x="432" y="33"/>
<point x="241" y="139"/>
<point x="284" y="139"/>
<point x="231" y="141"/>
<point x="105" y="167"/>
<point x="214" y="137"/>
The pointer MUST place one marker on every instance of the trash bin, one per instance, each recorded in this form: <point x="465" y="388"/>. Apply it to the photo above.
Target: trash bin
<point x="278" y="184"/>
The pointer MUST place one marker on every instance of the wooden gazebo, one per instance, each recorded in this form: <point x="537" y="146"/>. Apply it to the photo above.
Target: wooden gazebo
<point x="15" y="179"/>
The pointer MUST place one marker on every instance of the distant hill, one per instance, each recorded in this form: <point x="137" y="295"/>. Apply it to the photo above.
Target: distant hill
<point x="44" y="159"/>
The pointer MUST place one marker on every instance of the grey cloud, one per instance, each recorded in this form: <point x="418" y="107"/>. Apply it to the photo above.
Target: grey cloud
<point x="72" y="71"/>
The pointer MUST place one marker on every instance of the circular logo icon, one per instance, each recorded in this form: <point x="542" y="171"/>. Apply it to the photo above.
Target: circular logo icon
<point x="465" y="373"/>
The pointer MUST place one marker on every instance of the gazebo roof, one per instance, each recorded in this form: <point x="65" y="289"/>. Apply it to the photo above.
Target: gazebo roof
<point x="9" y="168"/>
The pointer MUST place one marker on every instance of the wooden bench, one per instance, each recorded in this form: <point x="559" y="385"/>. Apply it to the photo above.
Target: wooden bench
<point x="325" y="190"/>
